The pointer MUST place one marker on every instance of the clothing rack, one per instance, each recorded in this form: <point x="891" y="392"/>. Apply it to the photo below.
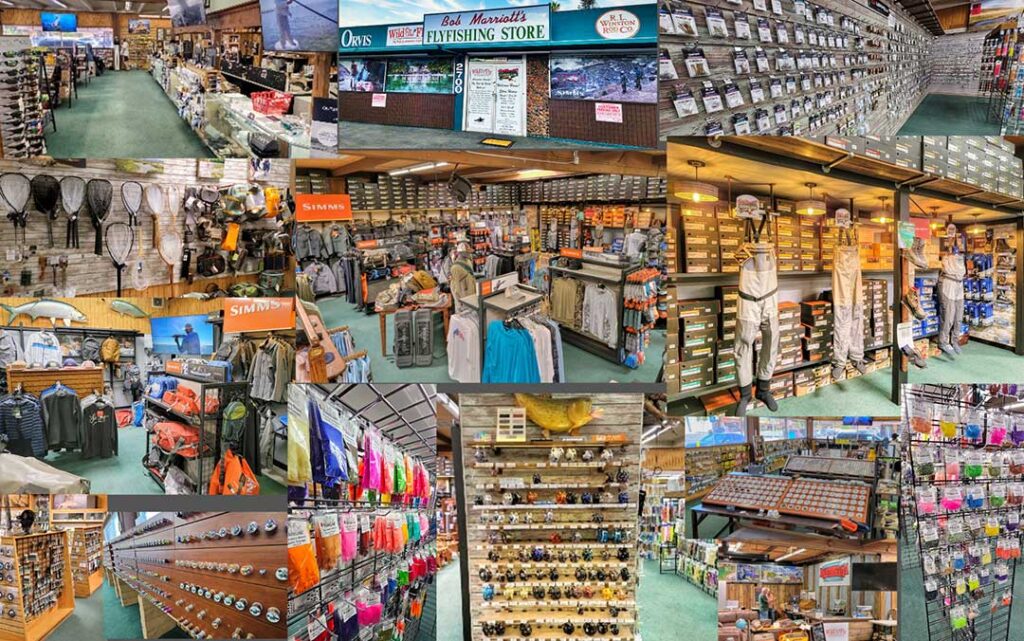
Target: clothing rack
<point x="503" y="309"/>
<point x="617" y="279"/>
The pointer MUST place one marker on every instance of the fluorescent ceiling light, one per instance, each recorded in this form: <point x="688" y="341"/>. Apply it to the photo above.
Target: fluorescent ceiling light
<point x="128" y="6"/>
<point x="60" y="4"/>
<point x="796" y="552"/>
<point x="424" y="167"/>
<point x="533" y="174"/>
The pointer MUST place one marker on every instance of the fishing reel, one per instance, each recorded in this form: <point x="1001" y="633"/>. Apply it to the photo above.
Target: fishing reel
<point x="589" y="629"/>
<point x="568" y="627"/>
<point x="622" y="554"/>
<point x="485" y="574"/>
<point x="525" y="630"/>
<point x="624" y="574"/>
<point x="488" y="592"/>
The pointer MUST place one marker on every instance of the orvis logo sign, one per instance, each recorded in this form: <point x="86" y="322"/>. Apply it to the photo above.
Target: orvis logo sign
<point x="349" y="39"/>
<point x="617" y="24"/>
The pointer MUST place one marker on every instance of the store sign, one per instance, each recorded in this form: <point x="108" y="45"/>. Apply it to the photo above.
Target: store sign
<point x="834" y="573"/>
<point x="404" y="35"/>
<point x="525" y="24"/>
<point x="379" y="100"/>
<point x="837" y="631"/>
<point x="618" y="24"/>
<point x="258" y="314"/>
<point x="349" y="38"/>
<point x="322" y="207"/>
<point x="608" y="112"/>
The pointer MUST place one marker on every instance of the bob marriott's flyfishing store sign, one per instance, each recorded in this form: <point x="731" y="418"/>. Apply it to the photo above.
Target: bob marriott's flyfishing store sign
<point x="515" y="24"/>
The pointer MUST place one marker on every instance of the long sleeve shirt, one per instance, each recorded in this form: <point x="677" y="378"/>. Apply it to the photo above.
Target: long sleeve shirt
<point x="600" y="317"/>
<point x="62" y="414"/>
<point x="99" y="429"/>
<point x="21" y="420"/>
<point x="43" y="348"/>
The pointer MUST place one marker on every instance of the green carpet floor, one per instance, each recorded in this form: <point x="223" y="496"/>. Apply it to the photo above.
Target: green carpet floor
<point x="667" y="604"/>
<point x="122" y="114"/>
<point x="86" y="622"/>
<point x="979" y="363"/>
<point x="580" y="366"/>
<point x="942" y="114"/>
<point x="449" y="609"/>
<point x="124" y="474"/>
<point x="122" y="622"/>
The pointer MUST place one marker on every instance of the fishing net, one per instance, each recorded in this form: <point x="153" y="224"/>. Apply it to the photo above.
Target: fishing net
<point x="98" y="193"/>
<point x="15" y="190"/>
<point x="173" y="200"/>
<point x="120" y="239"/>
<point x="156" y="203"/>
<point x="170" y="251"/>
<point x="131" y="196"/>
<point x="45" y="194"/>
<point x="72" y="196"/>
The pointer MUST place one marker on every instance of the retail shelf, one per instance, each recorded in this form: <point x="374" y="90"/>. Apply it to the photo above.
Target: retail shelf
<point x="568" y="603"/>
<point x="543" y="465"/>
<point x="560" y="506"/>
<point x="620" y="525"/>
<point x="546" y="444"/>
<point x="547" y="486"/>
<point x="685" y="277"/>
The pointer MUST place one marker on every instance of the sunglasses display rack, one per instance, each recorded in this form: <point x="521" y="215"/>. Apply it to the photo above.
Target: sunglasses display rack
<point x="36" y="588"/>
<point x="828" y="67"/>
<point x="23" y="109"/>
<point x="552" y="527"/>
<point x="213" y="574"/>
<point x="87" y="559"/>
<point x="966" y="482"/>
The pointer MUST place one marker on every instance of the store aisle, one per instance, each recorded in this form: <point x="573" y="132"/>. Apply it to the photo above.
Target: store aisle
<point x="124" y="474"/>
<point x="86" y="622"/>
<point x="979" y="363"/>
<point x="860" y="396"/>
<point x="936" y="111"/>
<point x="668" y="603"/>
<point x="123" y="114"/>
<point x="581" y="366"/>
<point x="449" y="609"/>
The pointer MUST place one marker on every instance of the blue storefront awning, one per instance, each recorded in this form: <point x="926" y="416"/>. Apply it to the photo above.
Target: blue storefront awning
<point x="612" y="28"/>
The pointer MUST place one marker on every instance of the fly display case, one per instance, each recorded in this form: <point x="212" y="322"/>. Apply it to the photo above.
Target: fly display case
<point x="213" y="574"/>
<point x="35" y="585"/>
<point x="551" y="523"/>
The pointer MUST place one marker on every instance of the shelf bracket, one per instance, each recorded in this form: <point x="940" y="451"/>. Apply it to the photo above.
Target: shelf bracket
<point x="835" y="163"/>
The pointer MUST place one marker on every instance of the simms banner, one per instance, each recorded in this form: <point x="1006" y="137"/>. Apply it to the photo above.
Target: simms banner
<point x="258" y="314"/>
<point x="314" y="207"/>
<point x="515" y="24"/>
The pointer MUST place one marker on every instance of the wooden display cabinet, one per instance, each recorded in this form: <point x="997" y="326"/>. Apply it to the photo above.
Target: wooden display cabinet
<point x="86" y="557"/>
<point x="23" y="627"/>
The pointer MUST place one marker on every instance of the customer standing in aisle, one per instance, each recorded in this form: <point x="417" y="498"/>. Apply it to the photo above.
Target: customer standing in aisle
<point x="951" y="300"/>
<point x="766" y="604"/>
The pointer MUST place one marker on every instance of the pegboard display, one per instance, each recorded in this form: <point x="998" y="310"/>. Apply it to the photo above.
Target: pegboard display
<point x="213" y="574"/>
<point x="777" y="67"/>
<point x="30" y="266"/>
<point x="37" y="588"/>
<point x="86" y="559"/>
<point x="552" y="524"/>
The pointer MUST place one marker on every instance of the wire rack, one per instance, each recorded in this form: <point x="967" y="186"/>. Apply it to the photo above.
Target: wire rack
<point x="988" y="624"/>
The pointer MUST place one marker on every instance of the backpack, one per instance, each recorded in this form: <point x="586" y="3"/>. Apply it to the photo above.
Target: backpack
<point x="232" y="475"/>
<point x="110" y="350"/>
<point x="90" y="349"/>
<point x="178" y="438"/>
<point x="158" y="385"/>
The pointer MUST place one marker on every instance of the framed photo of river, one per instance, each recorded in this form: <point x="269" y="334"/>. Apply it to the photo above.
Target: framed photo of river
<point x="632" y="78"/>
<point x="419" y="75"/>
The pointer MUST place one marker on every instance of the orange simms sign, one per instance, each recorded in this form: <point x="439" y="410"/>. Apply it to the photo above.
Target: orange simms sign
<point x="322" y="207"/>
<point x="258" y="314"/>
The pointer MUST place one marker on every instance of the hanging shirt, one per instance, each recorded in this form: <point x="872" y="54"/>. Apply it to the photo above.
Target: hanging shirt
<point x="21" y="420"/>
<point x="634" y="244"/>
<point x="10" y="350"/>
<point x="599" y="314"/>
<point x="43" y="348"/>
<point x="509" y="355"/>
<point x="464" y="348"/>
<point x="62" y="414"/>
<point x="99" y="429"/>
<point x="541" y="337"/>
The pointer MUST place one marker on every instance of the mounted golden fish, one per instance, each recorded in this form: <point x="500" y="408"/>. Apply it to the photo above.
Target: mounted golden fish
<point x="558" y="414"/>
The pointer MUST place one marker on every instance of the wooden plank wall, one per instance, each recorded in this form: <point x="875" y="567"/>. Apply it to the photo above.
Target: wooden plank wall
<point x="719" y="54"/>
<point x="746" y="593"/>
<point x="95" y="275"/>
<point x="623" y="414"/>
<point x="881" y="602"/>
<point x="99" y="314"/>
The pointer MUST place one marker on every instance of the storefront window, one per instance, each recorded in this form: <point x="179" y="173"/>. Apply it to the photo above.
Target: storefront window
<point x="855" y="428"/>
<point x="361" y="75"/>
<point x="715" y="430"/>
<point x="782" y="429"/>
<point x="419" y="75"/>
<point x="626" y="78"/>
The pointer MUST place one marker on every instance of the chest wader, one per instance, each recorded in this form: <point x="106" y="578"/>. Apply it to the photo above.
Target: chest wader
<point x="848" y="312"/>
<point x="757" y="315"/>
<point x="951" y="302"/>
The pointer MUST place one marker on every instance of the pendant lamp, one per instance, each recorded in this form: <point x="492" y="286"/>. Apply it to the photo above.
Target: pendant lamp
<point x="695" y="190"/>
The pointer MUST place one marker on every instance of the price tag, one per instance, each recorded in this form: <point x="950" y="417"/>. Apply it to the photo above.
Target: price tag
<point x="298" y="533"/>
<point x="316" y="626"/>
<point x="328" y="524"/>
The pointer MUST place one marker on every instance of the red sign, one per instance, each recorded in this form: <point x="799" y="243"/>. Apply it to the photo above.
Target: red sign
<point x="322" y="207"/>
<point x="379" y="100"/>
<point x="617" y="24"/>
<point x="258" y="314"/>
<point x="568" y="252"/>
<point x="366" y="244"/>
